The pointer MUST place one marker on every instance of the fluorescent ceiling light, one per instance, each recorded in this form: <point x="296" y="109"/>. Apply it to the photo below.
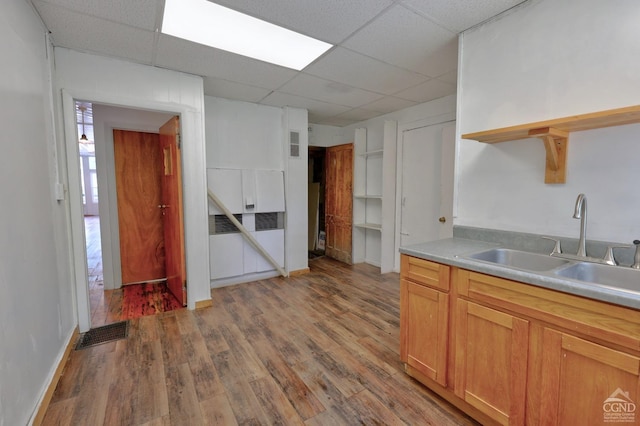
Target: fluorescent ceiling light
<point x="204" y="22"/>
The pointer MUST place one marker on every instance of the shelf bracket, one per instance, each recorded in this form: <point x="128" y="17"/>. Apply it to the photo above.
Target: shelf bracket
<point x="555" y="144"/>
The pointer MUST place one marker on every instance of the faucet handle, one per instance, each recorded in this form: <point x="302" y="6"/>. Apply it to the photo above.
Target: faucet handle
<point x="556" y="247"/>
<point x="608" y="258"/>
<point x="636" y="258"/>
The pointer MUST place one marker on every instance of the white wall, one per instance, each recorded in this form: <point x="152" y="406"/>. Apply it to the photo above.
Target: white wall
<point x="105" y="120"/>
<point x="296" y="191"/>
<point x="109" y="81"/>
<point x="549" y="59"/>
<point x="243" y="135"/>
<point x="36" y="309"/>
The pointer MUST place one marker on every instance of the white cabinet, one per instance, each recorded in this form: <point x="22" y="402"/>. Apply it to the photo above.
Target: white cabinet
<point x="256" y="198"/>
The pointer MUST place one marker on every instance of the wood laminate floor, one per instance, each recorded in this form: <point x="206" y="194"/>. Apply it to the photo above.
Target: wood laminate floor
<point x="132" y="301"/>
<point x="318" y="349"/>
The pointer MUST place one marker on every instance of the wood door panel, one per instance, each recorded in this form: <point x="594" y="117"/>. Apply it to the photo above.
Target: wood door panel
<point x="173" y="212"/>
<point x="491" y="361"/>
<point x="424" y="329"/>
<point x="569" y="396"/>
<point x="138" y="170"/>
<point x="339" y="202"/>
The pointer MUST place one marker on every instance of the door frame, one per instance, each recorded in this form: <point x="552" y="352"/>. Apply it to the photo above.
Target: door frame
<point x="404" y="127"/>
<point x="196" y="260"/>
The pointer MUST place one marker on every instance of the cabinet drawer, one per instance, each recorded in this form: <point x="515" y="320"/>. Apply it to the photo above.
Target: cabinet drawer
<point x="425" y="272"/>
<point x="590" y="318"/>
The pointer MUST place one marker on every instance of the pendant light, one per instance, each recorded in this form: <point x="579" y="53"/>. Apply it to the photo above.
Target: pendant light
<point x="83" y="138"/>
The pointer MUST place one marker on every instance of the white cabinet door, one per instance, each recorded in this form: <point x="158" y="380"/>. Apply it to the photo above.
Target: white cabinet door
<point x="226" y="255"/>
<point x="226" y="184"/>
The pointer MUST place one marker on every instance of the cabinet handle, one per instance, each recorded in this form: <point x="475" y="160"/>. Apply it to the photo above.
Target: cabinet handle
<point x="442" y="219"/>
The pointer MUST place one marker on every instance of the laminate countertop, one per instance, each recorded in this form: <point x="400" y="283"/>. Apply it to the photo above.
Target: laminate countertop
<point x="454" y="252"/>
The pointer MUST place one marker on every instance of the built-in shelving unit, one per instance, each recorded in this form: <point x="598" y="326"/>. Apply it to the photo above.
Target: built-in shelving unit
<point x="555" y="135"/>
<point x="373" y="199"/>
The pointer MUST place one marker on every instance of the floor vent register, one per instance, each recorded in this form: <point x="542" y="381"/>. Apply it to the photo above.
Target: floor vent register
<point x="104" y="334"/>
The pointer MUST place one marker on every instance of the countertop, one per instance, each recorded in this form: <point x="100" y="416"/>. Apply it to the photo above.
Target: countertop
<point x="451" y="251"/>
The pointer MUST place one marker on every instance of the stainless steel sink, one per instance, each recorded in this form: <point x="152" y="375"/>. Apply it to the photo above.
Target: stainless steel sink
<point x="611" y="276"/>
<point x="519" y="259"/>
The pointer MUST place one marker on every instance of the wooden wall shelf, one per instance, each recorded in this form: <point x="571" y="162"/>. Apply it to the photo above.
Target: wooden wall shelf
<point x="555" y="135"/>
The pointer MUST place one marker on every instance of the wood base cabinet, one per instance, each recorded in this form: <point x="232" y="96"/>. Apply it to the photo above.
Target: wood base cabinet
<point x="511" y="353"/>
<point x="588" y="384"/>
<point x="491" y="361"/>
<point x="425" y="316"/>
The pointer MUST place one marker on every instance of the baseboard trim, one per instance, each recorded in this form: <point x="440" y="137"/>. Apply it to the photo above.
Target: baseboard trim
<point x="299" y="272"/>
<point x="204" y="303"/>
<point x="48" y="394"/>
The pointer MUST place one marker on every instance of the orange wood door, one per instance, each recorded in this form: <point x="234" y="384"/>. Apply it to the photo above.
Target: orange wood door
<point x="491" y="361"/>
<point x="587" y="383"/>
<point x="339" y="202"/>
<point x="172" y="210"/>
<point x="138" y="167"/>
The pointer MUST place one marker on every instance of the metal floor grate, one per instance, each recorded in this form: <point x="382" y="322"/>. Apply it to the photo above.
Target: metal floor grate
<point x="104" y="334"/>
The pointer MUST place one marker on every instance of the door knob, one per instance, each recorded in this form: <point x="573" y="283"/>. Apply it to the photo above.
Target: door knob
<point x="442" y="219"/>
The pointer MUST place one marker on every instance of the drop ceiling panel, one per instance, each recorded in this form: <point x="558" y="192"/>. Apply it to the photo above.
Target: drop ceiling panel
<point x="139" y="13"/>
<point x="328" y="91"/>
<point x="86" y="33"/>
<point x="403" y="38"/>
<point x="231" y="90"/>
<point x="458" y="15"/>
<point x="328" y="20"/>
<point x="389" y="104"/>
<point x="351" y="68"/>
<point x="357" y="114"/>
<point x="178" y="54"/>
<point x="320" y="109"/>
<point x="432" y="89"/>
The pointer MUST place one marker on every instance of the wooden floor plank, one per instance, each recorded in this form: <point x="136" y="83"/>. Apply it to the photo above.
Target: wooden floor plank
<point x="317" y="349"/>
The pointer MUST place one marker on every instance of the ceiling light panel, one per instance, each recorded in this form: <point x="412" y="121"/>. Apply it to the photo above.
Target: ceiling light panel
<point x="204" y="22"/>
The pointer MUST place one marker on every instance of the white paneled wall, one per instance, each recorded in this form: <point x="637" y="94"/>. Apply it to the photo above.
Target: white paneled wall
<point x="516" y="70"/>
<point x="109" y="81"/>
<point x="247" y="153"/>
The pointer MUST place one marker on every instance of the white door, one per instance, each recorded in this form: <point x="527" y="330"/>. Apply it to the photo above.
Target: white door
<point x="426" y="203"/>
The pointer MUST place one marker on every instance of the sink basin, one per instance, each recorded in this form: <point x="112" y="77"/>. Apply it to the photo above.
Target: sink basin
<point x="519" y="259"/>
<point x="622" y="278"/>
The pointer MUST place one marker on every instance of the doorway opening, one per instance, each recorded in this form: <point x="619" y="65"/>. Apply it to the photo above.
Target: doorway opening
<point x="317" y="229"/>
<point x="109" y="301"/>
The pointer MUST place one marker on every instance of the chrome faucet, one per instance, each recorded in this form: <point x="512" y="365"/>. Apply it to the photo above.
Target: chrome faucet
<point x="581" y="213"/>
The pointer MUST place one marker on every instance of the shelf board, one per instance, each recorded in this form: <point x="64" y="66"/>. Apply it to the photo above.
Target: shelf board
<point x="575" y="123"/>
<point x="368" y="197"/>
<point x="376" y="152"/>
<point x="555" y="135"/>
<point x="374" y="226"/>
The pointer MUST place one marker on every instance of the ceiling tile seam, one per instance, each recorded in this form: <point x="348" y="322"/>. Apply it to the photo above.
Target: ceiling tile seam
<point x="336" y="82"/>
<point x="387" y="63"/>
<point x="499" y="15"/>
<point x="68" y="9"/>
<point x="320" y="100"/>
<point x="253" y="86"/>
<point x="382" y="12"/>
<point x="429" y="18"/>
